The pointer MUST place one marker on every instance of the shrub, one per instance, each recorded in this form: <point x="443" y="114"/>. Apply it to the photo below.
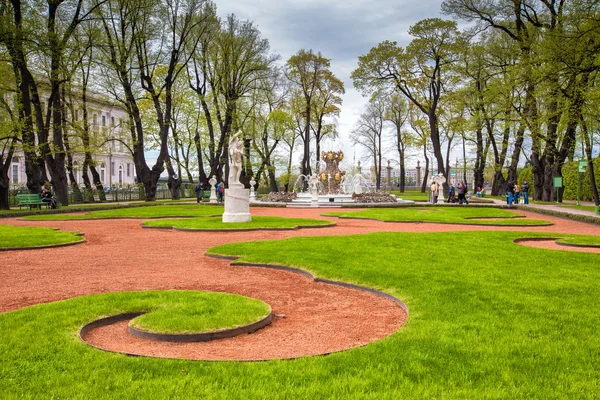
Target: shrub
<point x="570" y="181"/>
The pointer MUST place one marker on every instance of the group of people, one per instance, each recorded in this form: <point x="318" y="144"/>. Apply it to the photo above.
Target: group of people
<point x="219" y="189"/>
<point x="455" y="195"/>
<point x="514" y="192"/>
<point x="458" y="194"/>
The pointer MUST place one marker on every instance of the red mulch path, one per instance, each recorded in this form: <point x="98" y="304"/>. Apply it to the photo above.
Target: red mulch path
<point x="121" y="256"/>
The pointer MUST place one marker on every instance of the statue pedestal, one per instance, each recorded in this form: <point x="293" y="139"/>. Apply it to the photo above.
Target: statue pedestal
<point x="314" y="201"/>
<point x="237" y="205"/>
<point x="213" y="196"/>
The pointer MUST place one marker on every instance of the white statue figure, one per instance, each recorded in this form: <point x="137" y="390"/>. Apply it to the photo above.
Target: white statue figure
<point x="440" y="179"/>
<point x="236" y="156"/>
<point x="252" y="191"/>
<point x="314" y="182"/>
<point x="357" y="185"/>
<point x="213" y="192"/>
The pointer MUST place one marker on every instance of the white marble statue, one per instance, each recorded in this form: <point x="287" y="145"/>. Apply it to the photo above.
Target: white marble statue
<point x="252" y="191"/>
<point x="213" y="193"/>
<point x="440" y="179"/>
<point x="236" y="157"/>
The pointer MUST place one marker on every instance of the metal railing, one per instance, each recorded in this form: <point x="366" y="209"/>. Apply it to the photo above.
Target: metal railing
<point x="113" y="194"/>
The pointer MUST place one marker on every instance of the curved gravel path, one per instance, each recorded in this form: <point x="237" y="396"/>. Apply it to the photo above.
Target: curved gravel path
<point x="119" y="255"/>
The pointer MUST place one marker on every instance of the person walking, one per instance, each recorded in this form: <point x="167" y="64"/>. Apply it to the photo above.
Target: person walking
<point x="435" y="191"/>
<point x="220" y="191"/>
<point x="525" y="191"/>
<point x="451" y="192"/>
<point x="462" y="190"/>
<point x="510" y="188"/>
<point x="517" y="194"/>
<point x="199" y="192"/>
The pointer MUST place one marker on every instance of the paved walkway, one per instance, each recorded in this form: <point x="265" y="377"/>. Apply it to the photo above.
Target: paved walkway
<point x="561" y="209"/>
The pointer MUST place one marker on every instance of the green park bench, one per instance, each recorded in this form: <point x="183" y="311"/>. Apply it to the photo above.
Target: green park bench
<point x="26" y="199"/>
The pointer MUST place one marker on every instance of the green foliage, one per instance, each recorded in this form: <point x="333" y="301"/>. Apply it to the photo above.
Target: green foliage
<point x="570" y="180"/>
<point x="12" y="237"/>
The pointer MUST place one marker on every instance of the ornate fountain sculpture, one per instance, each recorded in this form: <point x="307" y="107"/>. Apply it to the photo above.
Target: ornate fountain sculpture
<point x="332" y="177"/>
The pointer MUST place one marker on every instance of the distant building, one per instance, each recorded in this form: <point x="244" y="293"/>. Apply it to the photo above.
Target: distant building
<point x="107" y="122"/>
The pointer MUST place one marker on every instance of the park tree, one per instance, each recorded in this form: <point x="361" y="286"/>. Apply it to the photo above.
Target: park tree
<point x="552" y="69"/>
<point x="326" y="104"/>
<point x="308" y="72"/>
<point x="226" y="67"/>
<point x="421" y="72"/>
<point x="421" y="128"/>
<point x="396" y="115"/>
<point x="37" y="36"/>
<point x="9" y="132"/>
<point x="368" y="132"/>
<point x="269" y="123"/>
<point x="148" y="46"/>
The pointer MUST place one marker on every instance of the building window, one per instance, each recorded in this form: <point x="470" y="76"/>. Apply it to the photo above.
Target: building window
<point x="112" y="168"/>
<point x="128" y="169"/>
<point x="95" y="119"/>
<point x="112" y="121"/>
<point x="15" y="173"/>
<point x="120" y="145"/>
<point x="104" y="120"/>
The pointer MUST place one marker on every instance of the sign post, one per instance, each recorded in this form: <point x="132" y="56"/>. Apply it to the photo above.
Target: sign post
<point x="580" y="168"/>
<point x="558" y="183"/>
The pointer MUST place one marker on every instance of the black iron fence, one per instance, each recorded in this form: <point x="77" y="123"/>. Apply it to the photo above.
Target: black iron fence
<point x="112" y="194"/>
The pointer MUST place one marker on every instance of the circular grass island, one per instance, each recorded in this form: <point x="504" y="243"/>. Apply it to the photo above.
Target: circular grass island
<point x="29" y="237"/>
<point x="215" y="224"/>
<point x="184" y="316"/>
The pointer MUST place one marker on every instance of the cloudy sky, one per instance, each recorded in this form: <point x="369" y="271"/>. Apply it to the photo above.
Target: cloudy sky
<point x="341" y="30"/>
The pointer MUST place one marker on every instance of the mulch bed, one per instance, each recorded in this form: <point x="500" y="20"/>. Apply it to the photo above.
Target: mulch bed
<point x="121" y="256"/>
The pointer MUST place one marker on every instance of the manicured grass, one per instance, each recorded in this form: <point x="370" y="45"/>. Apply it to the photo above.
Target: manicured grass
<point x="161" y="211"/>
<point x="488" y="319"/>
<point x="30" y="237"/>
<point x="449" y="215"/>
<point x="583" y="208"/>
<point x="414" y="195"/>
<point x="581" y="240"/>
<point x="199" y="312"/>
<point x="211" y="224"/>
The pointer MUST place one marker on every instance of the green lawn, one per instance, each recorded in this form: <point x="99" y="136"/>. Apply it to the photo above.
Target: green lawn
<point x="196" y="312"/>
<point x="581" y="240"/>
<point x="30" y="237"/>
<point x="160" y="211"/>
<point x="448" y="215"/>
<point x="583" y="208"/>
<point x="414" y="195"/>
<point x="211" y="224"/>
<point x="488" y="319"/>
